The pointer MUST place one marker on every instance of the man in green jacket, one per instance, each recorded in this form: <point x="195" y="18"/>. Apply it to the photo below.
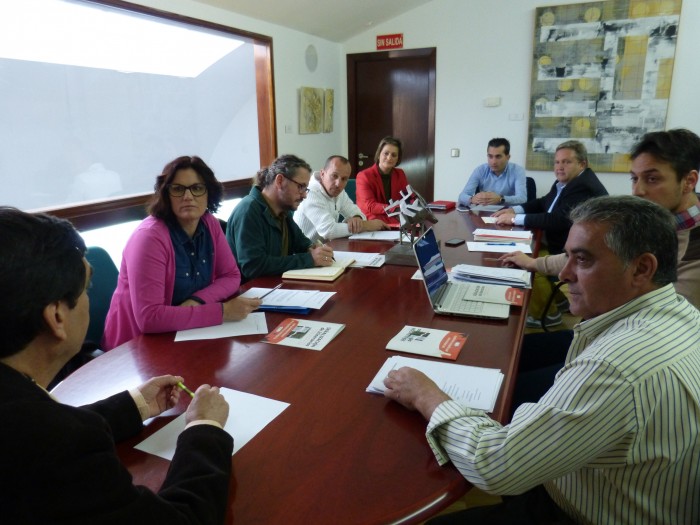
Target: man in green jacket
<point x="264" y="238"/>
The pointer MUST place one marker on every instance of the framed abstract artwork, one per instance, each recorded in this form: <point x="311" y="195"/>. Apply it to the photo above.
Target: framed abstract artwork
<point x="328" y="111"/>
<point x="311" y="113"/>
<point x="601" y="74"/>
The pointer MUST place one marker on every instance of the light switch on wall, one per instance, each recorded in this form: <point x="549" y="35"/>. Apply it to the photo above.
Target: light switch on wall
<point x="454" y="152"/>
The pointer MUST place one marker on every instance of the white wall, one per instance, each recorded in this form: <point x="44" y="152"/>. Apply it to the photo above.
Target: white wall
<point x="484" y="49"/>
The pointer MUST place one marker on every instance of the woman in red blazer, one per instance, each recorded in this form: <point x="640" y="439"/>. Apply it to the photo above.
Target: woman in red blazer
<point x="381" y="179"/>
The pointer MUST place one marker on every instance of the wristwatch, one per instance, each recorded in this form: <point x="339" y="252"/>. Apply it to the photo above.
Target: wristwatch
<point x="503" y="199"/>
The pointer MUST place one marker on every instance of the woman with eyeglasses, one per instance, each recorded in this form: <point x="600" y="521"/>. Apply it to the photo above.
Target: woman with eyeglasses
<point x="382" y="181"/>
<point x="177" y="270"/>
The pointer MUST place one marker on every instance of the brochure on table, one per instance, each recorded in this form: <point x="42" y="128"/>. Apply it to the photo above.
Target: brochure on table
<point x="302" y="333"/>
<point x="473" y="386"/>
<point x="248" y="415"/>
<point x="428" y="341"/>
<point x="255" y="323"/>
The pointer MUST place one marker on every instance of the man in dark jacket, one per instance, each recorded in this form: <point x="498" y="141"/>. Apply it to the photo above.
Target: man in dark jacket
<point x="575" y="183"/>
<point x="58" y="463"/>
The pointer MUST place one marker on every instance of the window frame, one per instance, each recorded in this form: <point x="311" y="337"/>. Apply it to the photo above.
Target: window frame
<point x="113" y="211"/>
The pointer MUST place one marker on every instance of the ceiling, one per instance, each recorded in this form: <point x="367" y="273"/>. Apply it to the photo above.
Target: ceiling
<point x="334" y="20"/>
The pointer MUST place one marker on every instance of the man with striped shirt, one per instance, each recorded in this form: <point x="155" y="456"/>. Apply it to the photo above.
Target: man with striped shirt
<point x="616" y="439"/>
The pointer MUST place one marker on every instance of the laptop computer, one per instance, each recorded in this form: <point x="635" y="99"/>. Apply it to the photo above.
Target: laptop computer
<point x="448" y="297"/>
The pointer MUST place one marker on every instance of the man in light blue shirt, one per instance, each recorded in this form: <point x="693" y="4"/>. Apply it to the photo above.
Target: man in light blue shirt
<point x="498" y="181"/>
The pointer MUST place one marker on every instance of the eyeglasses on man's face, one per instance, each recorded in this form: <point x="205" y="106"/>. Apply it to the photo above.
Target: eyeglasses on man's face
<point x="178" y="190"/>
<point x="303" y="188"/>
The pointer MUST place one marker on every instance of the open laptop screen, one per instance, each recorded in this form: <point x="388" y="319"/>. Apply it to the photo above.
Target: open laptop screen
<point x="430" y="261"/>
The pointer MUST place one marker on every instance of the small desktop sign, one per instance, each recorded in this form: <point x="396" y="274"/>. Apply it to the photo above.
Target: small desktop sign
<point x="390" y="41"/>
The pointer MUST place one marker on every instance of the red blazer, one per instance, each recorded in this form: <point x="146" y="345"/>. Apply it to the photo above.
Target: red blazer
<point x="370" y="192"/>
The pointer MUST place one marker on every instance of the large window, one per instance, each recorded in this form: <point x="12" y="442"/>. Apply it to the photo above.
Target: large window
<point x="95" y="99"/>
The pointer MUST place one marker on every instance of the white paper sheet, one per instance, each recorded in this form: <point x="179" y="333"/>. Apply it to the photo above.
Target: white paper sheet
<point x="498" y="247"/>
<point x="255" y="323"/>
<point x="475" y="387"/>
<point x="383" y="235"/>
<point x="486" y="207"/>
<point x="289" y="297"/>
<point x="362" y="259"/>
<point x="248" y="415"/>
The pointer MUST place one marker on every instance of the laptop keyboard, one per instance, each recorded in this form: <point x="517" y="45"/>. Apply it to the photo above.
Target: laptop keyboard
<point x="455" y="303"/>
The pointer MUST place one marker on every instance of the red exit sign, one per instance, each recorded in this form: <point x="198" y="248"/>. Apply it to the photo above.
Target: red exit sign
<point x="390" y="41"/>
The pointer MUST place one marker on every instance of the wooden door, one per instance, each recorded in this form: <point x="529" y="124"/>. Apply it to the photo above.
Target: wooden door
<point x="393" y="93"/>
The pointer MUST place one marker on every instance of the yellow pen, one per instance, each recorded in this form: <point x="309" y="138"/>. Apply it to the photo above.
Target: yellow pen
<point x="183" y="387"/>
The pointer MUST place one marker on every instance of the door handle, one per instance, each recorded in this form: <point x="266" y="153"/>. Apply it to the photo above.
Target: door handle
<point x="362" y="156"/>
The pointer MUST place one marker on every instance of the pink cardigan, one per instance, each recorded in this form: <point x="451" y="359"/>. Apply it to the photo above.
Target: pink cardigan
<point x="370" y="192"/>
<point x="142" y="301"/>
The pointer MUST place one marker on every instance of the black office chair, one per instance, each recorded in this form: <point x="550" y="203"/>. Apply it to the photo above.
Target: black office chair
<point x="531" y="188"/>
<point x="104" y="282"/>
<point x="350" y="190"/>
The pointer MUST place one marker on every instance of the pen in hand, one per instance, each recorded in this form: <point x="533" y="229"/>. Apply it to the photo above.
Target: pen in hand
<point x="183" y="387"/>
<point x="320" y="243"/>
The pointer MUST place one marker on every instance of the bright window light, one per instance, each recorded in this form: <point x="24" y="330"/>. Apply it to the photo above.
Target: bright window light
<point x="78" y="34"/>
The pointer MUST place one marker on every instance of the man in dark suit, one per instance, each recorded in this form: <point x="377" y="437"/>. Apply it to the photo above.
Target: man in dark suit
<point x="58" y="463"/>
<point x="575" y="183"/>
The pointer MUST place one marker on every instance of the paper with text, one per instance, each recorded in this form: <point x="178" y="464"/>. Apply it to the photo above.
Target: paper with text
<point x="362" y="259"/>
<point x="473" y="386"/>
<point x="288" y="297"/>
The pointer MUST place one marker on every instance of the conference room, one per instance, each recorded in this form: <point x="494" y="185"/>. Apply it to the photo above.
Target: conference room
<point x="99" y="173"/>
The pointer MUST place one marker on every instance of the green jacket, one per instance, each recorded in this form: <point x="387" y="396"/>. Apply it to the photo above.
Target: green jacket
<point x="255" y="238"/>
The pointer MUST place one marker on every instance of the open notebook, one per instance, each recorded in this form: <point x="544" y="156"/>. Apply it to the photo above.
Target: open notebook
<point x="448" y="297"/>
<point x="320" y="273"/>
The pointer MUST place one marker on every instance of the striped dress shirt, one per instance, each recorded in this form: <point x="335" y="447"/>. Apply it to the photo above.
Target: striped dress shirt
<point x="616" y="439"/>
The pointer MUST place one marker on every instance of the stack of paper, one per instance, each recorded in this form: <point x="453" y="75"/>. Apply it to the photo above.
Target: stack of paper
<point x="299" y="333"/>
<point x="516" y="277"/>
<point x="382" y="235"/>
<point x="473" y="386"/>
<point x="504" y="236"/>
<point x="442" y="205"/>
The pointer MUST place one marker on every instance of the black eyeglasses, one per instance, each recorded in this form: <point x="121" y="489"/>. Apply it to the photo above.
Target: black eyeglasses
<point x="178" y="190"/>
<point x="303" y="188"/>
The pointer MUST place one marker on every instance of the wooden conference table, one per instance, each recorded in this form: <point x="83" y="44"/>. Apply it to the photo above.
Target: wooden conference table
<point x="337" y="454"/>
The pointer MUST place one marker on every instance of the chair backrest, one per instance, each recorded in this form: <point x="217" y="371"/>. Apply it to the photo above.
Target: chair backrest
<point x="531" y="188"/>
<point x="350" y="190"/>
<point x="104" y="282"/>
